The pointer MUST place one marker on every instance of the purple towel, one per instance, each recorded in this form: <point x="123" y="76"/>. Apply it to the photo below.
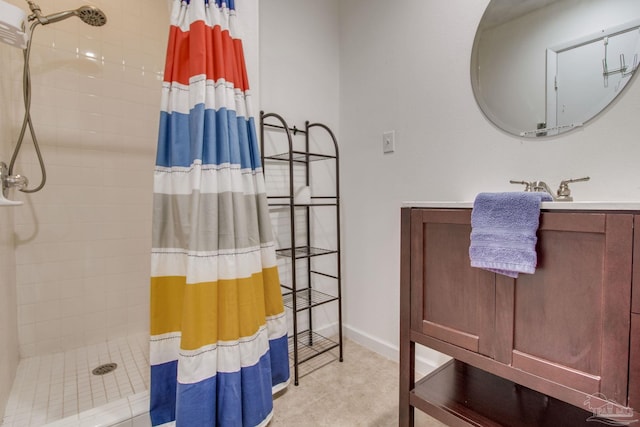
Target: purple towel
<point x="503" y="232"/>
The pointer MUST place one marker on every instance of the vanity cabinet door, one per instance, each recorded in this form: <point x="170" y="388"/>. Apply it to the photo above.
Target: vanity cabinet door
<point x="571" y="318"/>
<point x="451" y="301"/>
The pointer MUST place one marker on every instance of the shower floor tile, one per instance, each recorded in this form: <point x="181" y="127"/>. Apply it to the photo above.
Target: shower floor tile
<point x="52" y="387"/>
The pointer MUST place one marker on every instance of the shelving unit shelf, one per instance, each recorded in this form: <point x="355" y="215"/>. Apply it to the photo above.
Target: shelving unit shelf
<point x="299" y="156"/>
<point x="312" y="344"/>
<point x="301" y="296"/>
<point x="304" y="252"/>
<point x="306" y="298"/>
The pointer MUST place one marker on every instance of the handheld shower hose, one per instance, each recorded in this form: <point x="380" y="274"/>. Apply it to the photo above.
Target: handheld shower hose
<point x="90" y="15"/>
<point x="26" y="121"/>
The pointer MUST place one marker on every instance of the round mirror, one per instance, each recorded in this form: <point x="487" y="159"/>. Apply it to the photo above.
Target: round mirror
<point x="544" y="67"/>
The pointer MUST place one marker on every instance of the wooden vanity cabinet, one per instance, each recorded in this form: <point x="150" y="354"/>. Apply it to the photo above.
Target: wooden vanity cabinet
<point x="563" y="333"/>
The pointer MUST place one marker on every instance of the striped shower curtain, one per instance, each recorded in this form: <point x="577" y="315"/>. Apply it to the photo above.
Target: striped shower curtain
<point x="218" y="330"/>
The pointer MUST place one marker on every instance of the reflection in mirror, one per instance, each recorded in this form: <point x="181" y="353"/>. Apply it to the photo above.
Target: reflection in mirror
<point x="544" y="67"/>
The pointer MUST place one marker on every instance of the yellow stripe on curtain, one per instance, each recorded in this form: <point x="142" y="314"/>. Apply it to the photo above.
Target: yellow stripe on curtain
<point x="242" y="305"/>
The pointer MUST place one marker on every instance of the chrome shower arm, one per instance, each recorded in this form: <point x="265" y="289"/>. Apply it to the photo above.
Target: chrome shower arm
<point x="47" y="19"/>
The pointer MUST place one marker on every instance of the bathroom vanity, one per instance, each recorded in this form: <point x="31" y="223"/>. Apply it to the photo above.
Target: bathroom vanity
<point x="551" y="348"/>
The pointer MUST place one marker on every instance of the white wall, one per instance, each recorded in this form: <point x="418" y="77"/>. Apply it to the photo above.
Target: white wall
<point x="299" y="80"/>
<point x="299" y="60"/>
<point x="405" y="67"/>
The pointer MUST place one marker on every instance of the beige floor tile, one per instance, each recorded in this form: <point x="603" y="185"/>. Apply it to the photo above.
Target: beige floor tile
<point x="361" y="391"/>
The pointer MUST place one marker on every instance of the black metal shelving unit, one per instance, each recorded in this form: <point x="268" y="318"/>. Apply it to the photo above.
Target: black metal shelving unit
<point x="302" y="299"/>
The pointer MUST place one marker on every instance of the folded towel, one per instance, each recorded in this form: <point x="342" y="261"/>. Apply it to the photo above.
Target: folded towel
<point x="503" y="233"/>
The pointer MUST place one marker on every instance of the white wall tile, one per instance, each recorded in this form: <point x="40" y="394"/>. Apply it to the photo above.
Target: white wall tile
<point x="88" y="110"/>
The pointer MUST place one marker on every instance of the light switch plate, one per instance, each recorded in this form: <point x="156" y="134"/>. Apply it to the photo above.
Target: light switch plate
<point x="389" y="141"/>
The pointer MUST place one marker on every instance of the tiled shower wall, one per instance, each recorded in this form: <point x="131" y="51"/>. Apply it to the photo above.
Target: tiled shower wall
<point x="82" y="243"/>
<point x="8" y="315"/>
<point x="8" y="312"/>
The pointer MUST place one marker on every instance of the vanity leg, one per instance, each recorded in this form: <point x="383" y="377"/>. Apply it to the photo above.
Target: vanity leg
<point x="407" y="347"/>
<point x="407" y="382"/>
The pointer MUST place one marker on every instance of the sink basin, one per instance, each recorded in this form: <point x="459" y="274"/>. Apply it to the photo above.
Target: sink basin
<point x="590" y="205"/>
<point x="578" y="206"/>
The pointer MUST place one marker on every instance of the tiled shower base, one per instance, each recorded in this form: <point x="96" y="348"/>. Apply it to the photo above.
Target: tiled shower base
<point x="59" y="390"/>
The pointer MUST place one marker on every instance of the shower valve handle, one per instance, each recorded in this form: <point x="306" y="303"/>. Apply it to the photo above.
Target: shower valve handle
<point x="17" y="181"/>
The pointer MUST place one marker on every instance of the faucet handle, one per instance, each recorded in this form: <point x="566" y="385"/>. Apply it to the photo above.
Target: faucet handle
<point x="564" y="192"/>
<point x="570" y="180"/>
<point x="527" y="185"/>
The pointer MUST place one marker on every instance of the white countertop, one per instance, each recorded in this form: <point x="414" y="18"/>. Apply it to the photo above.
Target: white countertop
<point x="577" y="206"/>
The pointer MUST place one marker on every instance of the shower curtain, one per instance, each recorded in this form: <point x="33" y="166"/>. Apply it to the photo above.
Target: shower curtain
<point x="218" y="345"/>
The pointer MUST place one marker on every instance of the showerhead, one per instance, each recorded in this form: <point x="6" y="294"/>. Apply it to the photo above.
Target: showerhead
<point x="91" y="15"/>
<point x="88" y="14"/>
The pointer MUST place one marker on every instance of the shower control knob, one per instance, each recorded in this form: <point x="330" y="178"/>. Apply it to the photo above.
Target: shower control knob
<point x="17" y="181"/>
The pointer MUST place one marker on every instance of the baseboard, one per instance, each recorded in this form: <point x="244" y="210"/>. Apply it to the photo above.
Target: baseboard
<point x="426" y="359"/>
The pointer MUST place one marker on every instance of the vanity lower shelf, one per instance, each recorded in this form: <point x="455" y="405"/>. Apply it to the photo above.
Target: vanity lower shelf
<point x="462" y="395"/>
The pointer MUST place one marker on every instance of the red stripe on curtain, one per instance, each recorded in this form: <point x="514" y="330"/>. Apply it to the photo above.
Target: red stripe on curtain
<point x="205" y="50"/>
<point x="243" y="80"/>
<point x="171" y="50"/>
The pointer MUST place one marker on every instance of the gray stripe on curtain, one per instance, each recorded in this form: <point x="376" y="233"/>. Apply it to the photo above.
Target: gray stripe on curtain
<point x="224" y="221"/>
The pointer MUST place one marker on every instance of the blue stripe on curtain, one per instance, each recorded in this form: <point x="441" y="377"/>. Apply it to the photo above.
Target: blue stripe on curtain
<point x="163" y="395"/>
<point x="224" y="389"/>
<point x="190" y="406"/>
<point x="279" y="349"/>
<point x="181" y="136"/>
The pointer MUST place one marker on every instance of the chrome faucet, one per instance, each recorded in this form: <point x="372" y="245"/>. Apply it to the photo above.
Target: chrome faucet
<point x="541" y="186"/>
<point x="562" y="195"/>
